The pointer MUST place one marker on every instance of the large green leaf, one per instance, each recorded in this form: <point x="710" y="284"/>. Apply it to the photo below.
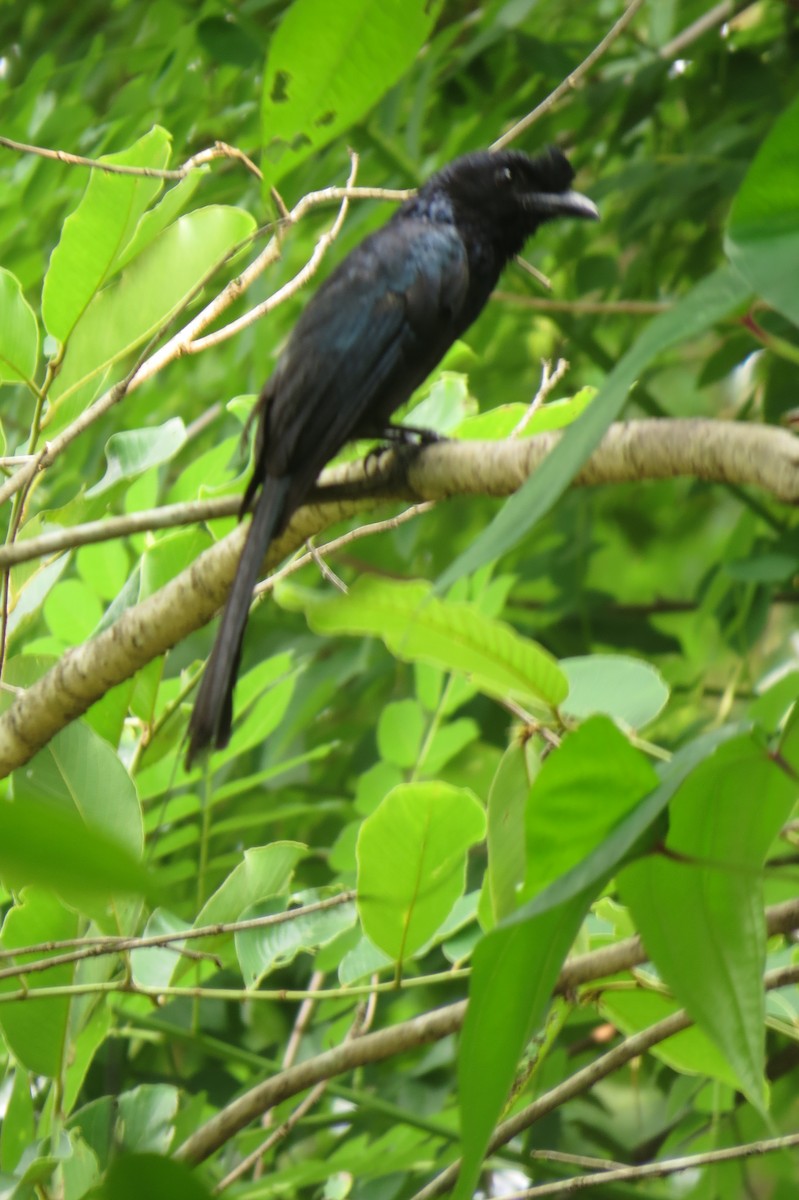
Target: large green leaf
<point x="762" y="238"/>
<point x="96" y="233"/>
<point x="582" y="792"/>
<point x="700" y="912"/>
<point x="627" y="689"/>
<point x="527" y="949"/>
<point x="150" y="290"/>
<point x="514" y="969"/>
<point x="45" y="844"/>
<point x="710" y="301"/>
<point x="317" y="87"/>
<point x="78" y="770"/>
<point x="580" y="796"/>
<point x="412" y="863"/>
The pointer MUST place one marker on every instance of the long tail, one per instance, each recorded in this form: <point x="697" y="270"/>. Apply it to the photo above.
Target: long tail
<point x="213" y="709"/>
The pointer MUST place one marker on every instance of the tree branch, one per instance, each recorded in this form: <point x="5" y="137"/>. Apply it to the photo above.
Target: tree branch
<point x="419" y="1031"/>
<point x="722" y="451"/>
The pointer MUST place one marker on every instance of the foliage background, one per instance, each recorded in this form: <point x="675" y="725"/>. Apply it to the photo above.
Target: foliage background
<point x="697" y="581"/>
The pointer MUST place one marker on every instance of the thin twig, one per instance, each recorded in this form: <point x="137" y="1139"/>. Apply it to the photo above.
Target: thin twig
<point x="605" y="308"/>
<point x="95" y="947"/>
<point x="218" y="150"/>
<point x="571" y="81"/>
<point x="549" y="381"/>
<point x="294" y="285"/>
<point x="713" y="17"/>
<point x="657" y="1170"/>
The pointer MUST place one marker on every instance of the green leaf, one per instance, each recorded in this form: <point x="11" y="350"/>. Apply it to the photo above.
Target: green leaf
<point x="36" y="1030"/>
<point x="507" y="800"/>
<point x="500" y="422"/>
<point x="137" y="450"/>
<point x="262" y="950"/>
<point x="154" y="966"/>
<point x="17" y="1129"/>
<point x="710" y="301"/>
<point x="701" y="913"/>
<point x="264" y="871"/>
<point x="96" y="233"/>
<point x="582" y="793"/>
<point x="418" y="626"/>
<point x="132" y="1176"/>
<point x="45" y="844"/>
<point x="412" y="863"/>
<point x="147" y="1117"/>
<point x="316" y="87"/>
<point x="79" y="771"/>
<point x="691" y="1052"/>
<point x="19" y="332"/>
<point x="586" y="791"/>
<point x="400" y="729"/>
<point x="627" y="689"/>
<point x="148" y="293"/>
<point x="762" y="239"/>
<point x="519" y="963"/>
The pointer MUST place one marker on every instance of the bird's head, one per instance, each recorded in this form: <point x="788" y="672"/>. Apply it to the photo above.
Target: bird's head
<point x="518" y="193"/>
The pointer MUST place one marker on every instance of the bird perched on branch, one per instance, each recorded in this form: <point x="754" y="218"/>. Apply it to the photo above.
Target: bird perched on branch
<point x="369" y="337"/>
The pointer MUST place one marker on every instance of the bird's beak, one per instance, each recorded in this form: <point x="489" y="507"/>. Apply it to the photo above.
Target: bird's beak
<point x="563" y="204"/>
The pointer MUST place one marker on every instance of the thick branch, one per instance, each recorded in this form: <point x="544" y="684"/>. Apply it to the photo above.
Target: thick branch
<point x="713" y="450"/>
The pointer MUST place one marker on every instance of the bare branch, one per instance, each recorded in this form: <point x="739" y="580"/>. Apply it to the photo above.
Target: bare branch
<point x="622" y="1053"/>
<point x="571" y="81"/>
<point x="218" y="150"/>
<point x="419" y="1031"/>
<point x="657" y="1170"/>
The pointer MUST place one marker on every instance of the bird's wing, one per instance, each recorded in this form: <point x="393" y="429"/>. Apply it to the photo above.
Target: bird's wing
<point x="369" y="337"/>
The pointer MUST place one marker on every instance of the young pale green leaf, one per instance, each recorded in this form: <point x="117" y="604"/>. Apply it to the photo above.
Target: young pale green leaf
<point x="317" y="87"/>
<point x="701" y="913"/>
<point x="500" y="422"/>
<point x="96" y="233"/>
<point x="627" y="689"/>
<point x="711" y="300"/>
<point x="154" y="966"/>
<point x="19" y="332"/>
<point x="36" y="1029"/>
<point x="412" y="863"/>
<point x="134" y="451"/>
<point x="418" y="626"/>
<point x="762" y="238"/>
<point x="147" y="294"/>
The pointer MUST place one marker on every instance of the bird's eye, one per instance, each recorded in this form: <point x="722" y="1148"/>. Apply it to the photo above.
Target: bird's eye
<point x="505" y="175"/>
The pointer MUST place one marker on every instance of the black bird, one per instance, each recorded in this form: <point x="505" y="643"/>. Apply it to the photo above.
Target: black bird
<point x="371" y="334"/>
